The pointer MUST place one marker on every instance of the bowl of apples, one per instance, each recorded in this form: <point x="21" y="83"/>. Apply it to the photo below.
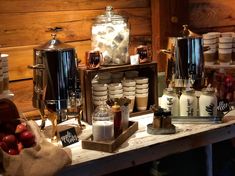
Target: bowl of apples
<point x="15" y="133"/>
<point x="15" y="137"/>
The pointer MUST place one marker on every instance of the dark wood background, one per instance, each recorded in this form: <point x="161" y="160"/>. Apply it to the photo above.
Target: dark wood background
<point x="212" y="15"/>
<point x="23" y="25"/>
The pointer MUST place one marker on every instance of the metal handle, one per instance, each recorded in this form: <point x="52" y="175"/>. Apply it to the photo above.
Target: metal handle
<point x="37" y="66"/>
<point x="165" y="51"/>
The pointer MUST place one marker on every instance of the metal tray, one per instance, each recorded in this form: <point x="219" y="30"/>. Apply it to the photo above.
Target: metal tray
<point x="196" y="119"/>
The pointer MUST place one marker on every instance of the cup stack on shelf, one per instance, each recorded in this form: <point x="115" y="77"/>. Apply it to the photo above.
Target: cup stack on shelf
<point x="211" y="40"/>
<point x="121" y="84"/>
<point x="129" y="91"/>
<point x="4" y="78"/>
<point x="99" y="93"/>
<point x="225" y="48"/>
<point x="221" y="48"/>
<point x="141" y="93"/>
<point x="115" y="90"/>
<point x="233" y="50"/>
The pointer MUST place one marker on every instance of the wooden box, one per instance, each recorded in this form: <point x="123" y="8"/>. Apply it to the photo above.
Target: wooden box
<point x="145" y="70"/>
<point x="112" y="145"/>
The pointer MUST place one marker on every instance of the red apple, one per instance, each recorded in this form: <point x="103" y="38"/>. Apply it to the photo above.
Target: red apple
<point x="26" y="135"/>
<point x="13" y="151"/>
<point x="27" y="138"/>
<point x="20" y="128"/>
<point x="10" y="140"/>
<point x="3" y="146"/>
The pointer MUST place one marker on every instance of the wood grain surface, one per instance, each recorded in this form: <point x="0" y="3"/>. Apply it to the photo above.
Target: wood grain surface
<point x="23" y="26"/>
<point x="212" y="15"/>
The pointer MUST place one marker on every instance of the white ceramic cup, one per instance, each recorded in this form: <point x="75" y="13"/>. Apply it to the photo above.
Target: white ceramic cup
<point x="225" y="39"/>
<point x="141" y="80"/>
<point x="128" y="83"/>
<point x="141" y="101"/>
<point x="141" y="91"/>
<point x="99" y="87"/>
<point x="115" y="86"/>
<point x="114" y="92"/>
<point x="129" y="89"/>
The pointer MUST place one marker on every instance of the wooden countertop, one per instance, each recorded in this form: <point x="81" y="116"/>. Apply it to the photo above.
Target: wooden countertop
<point x="138" y="149"/>
<point x="143" y="147"/>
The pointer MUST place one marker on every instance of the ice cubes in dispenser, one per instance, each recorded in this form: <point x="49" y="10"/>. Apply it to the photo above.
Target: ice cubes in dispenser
<point x="110" y="35"/>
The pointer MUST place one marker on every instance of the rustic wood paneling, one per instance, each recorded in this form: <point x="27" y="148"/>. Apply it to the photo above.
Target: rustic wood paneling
<point x="212" y="15"/>
<point x="23" y="24"/>
<point x="29" y="28"/>
<point x="21" y="57"/>
<point x="13" y="6"/>
<point x="167" y="20"/>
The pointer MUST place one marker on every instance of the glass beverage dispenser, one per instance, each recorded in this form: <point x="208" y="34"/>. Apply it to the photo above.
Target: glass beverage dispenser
<point x="110" y="35"/>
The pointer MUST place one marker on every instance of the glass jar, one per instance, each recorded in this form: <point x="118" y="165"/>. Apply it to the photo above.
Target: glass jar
<point x="208" y="102"/>
<point x="102" y="123"/>
<point x="170" y="101"/>
<point x="110" y="35"/>
<point x="188" y="103"/>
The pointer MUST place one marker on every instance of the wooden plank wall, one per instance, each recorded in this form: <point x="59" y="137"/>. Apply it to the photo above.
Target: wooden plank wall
<point x="212" y="15"/>
<point x="23" y="24"/>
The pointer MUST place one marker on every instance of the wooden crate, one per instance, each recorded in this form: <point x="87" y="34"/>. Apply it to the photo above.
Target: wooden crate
<point x="147" y="70"/>
<point x="112" y="145"/>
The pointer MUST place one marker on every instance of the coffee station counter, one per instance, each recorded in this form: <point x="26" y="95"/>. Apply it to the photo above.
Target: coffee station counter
<point x="140" y="148"/>
<point x="143" y="147"/>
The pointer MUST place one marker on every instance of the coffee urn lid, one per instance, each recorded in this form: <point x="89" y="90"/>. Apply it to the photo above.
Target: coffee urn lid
<point x="54" y="45"/>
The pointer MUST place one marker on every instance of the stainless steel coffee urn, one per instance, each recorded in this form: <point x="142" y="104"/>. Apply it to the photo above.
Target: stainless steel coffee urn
<point x="186" y="63"/>
<point x="55" y="78"/>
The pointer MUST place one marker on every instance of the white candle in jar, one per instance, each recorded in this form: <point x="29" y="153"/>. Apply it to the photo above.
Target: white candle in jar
<point x="188" y="103"/>
<point x="208" y="102"/>
<point x="102" y="130"/>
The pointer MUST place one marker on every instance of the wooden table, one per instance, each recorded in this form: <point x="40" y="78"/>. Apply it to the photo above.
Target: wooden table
<point x="139" y="148"/>
<point x="143" y="147"/>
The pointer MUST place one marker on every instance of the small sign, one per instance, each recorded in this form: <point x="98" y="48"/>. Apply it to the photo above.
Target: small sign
<point x="68" y="137"/>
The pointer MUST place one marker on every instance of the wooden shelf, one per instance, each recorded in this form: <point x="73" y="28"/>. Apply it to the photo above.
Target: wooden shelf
<point x="146" y="70"/>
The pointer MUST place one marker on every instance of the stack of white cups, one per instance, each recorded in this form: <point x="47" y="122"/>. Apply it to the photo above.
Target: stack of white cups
<point x="225" y="48"/>
<point x="99" y="93"/>
<point x="115" y="90"/>
<point x="141" y="93"/>
<point x="211" y="40"/>
<point x="129" y="91"/>
<point x="233" y="52"/>
<point x="4" y="78"/>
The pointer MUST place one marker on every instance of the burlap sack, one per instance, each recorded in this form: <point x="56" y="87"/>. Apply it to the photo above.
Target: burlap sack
<point x="44" y="159"/>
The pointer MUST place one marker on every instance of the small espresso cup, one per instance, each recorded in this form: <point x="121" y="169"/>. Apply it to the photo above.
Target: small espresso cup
<point x="93" y="59"/>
